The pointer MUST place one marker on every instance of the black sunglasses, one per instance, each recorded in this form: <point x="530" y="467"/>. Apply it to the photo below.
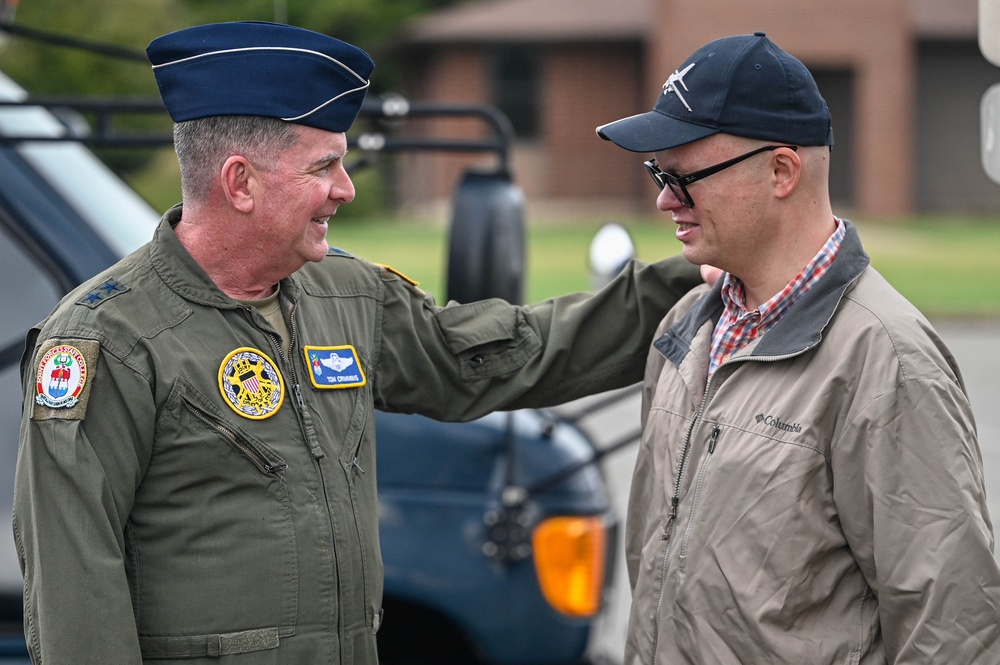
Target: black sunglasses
<point x="678" y="183"/>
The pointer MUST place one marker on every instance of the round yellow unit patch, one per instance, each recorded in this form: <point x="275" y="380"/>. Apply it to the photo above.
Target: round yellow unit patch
<point x="251" y="383"/>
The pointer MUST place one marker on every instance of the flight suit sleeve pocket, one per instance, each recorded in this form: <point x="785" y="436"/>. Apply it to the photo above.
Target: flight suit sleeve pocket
<point x="489" y="338"/>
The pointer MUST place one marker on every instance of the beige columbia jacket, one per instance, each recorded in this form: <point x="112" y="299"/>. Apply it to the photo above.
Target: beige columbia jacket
<point x="821" y="500"/>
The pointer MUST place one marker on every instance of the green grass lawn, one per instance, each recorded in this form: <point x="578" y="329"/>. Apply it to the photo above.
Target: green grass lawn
<point x="948" y="267"/>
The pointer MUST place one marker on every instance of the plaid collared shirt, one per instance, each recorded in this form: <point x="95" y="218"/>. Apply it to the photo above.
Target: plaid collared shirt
<point x="737" y="327"/>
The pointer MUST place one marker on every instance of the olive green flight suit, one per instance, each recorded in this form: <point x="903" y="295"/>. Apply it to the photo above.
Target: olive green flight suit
<point x="186" y="490"/>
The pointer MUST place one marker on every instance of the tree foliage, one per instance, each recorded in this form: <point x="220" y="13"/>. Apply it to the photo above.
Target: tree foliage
<point x="48" y="69"/>
<point x="45" y="68"/>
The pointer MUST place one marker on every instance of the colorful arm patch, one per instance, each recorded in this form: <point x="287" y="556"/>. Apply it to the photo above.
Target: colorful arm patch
<point x="62" y="372"/>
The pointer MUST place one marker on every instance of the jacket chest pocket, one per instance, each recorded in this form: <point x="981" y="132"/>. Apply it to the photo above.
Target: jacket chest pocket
<point x="214" y="562"/>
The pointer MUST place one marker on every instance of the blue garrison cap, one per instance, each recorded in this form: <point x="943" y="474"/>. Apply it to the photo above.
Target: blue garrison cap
<point x="743" y="85"/>
<point x="264" y="69"/>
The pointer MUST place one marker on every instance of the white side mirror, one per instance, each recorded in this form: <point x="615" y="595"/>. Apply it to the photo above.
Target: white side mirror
<point x="989" y="30"/>
<point x="989" y="45"/>
<point x="990" y="126"/>
<point x="610" y="251"/>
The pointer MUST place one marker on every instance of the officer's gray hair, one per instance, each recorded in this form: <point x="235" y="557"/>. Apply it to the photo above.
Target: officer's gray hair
<point x="204" y="145"/>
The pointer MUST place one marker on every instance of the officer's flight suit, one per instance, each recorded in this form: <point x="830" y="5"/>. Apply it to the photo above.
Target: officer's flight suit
<point x="186" y="489"/>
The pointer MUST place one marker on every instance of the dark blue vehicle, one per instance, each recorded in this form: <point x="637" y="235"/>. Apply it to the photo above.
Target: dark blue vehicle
<point x="470" y="579"/>
<point x="63" y="217"/>
<point x="495" y="534"/>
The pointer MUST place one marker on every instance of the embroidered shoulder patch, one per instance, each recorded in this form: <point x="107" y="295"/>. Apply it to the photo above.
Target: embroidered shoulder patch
<point x="335" y="367"/>
<point x="62" y="372"/>
<point x="251" y="384"/>
<point x="99" y="294"/>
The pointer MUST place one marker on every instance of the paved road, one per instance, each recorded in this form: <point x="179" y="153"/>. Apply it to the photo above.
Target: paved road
<point x="976" y="346"/>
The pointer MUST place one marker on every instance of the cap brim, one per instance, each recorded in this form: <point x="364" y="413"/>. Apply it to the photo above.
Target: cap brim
<point x="652" y="131"/>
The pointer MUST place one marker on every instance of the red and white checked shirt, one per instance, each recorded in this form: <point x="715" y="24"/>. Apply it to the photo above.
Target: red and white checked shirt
<point x="737" y="327"/>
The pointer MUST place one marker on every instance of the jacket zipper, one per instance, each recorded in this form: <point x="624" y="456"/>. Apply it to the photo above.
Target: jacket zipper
<point x="698" y="485"/>
<point x="682" y="464"/>
<point x="668" y="529"/>
<point x="686" y="450"/>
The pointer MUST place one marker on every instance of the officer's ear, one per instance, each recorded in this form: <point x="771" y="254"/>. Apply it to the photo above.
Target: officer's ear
<point x="240" y="183"/>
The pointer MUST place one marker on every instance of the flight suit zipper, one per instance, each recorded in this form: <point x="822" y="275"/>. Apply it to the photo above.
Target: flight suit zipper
<point x="292" y="375"/>
<point x="314" y="446"/>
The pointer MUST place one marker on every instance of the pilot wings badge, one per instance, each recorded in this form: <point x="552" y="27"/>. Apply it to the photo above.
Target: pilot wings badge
<point x="675" y="79"/>
<point x="334" y="367"/>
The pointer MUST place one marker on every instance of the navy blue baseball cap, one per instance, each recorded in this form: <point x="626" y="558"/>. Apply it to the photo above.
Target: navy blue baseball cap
<point x="264" y="69"/>
<point x="742" y="85"/>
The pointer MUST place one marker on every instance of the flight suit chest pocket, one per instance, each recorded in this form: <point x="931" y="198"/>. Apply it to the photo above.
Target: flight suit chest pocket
<point x="489" y="338"/>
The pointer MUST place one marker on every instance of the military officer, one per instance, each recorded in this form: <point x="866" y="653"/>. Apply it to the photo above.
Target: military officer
<point x="196" y="472"/>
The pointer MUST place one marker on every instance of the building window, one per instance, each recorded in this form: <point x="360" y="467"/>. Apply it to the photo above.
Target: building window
<point x="837" y="87"/>
<point x="515" y="88"/>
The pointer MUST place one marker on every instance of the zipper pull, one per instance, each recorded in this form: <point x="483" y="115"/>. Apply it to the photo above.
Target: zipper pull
<point x="674" y="501"/>
<point x="714" y="440"/>
<point x="297" y="390"/>
<point x="357" y="466"/>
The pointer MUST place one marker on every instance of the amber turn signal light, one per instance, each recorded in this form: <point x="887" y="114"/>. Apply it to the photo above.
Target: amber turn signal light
<point x="569" y="558"/>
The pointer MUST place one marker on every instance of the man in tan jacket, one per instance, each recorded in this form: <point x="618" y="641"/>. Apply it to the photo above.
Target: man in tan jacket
<point x="809" y="487"/>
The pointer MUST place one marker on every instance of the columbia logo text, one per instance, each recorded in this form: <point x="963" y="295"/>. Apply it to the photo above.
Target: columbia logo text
<point x="777" y="423"/>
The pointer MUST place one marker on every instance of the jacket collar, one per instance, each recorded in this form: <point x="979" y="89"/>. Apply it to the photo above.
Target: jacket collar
<point x="179" y="271"/>
<point x="799" y="329"/>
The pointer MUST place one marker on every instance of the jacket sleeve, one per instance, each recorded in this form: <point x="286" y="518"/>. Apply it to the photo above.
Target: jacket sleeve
<point x="74" y="489"/>
<point x="463" y="361"/>
<point x="909" y="489"/>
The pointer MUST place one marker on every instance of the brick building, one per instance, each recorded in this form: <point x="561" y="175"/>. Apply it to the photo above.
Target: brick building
<point x="903" y="79"/>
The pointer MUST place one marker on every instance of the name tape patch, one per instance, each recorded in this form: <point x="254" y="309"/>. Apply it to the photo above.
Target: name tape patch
<point x="251" y="384"/>
<point x="334" y="367"/>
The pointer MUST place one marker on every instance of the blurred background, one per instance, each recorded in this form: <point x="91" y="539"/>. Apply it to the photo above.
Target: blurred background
<point x="905" y="81"/>
<point x="903" y="78"/>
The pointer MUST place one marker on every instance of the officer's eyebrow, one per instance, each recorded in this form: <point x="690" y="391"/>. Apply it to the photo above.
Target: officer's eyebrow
<point x="329" y="158"/>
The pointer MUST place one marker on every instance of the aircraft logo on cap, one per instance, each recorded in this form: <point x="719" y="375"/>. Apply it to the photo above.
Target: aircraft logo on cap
<point x="673" y="80"/>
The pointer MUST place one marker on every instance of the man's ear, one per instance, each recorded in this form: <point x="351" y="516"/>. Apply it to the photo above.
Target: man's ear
<point x="238" y="178"/>
<point x="787" y="165"/>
